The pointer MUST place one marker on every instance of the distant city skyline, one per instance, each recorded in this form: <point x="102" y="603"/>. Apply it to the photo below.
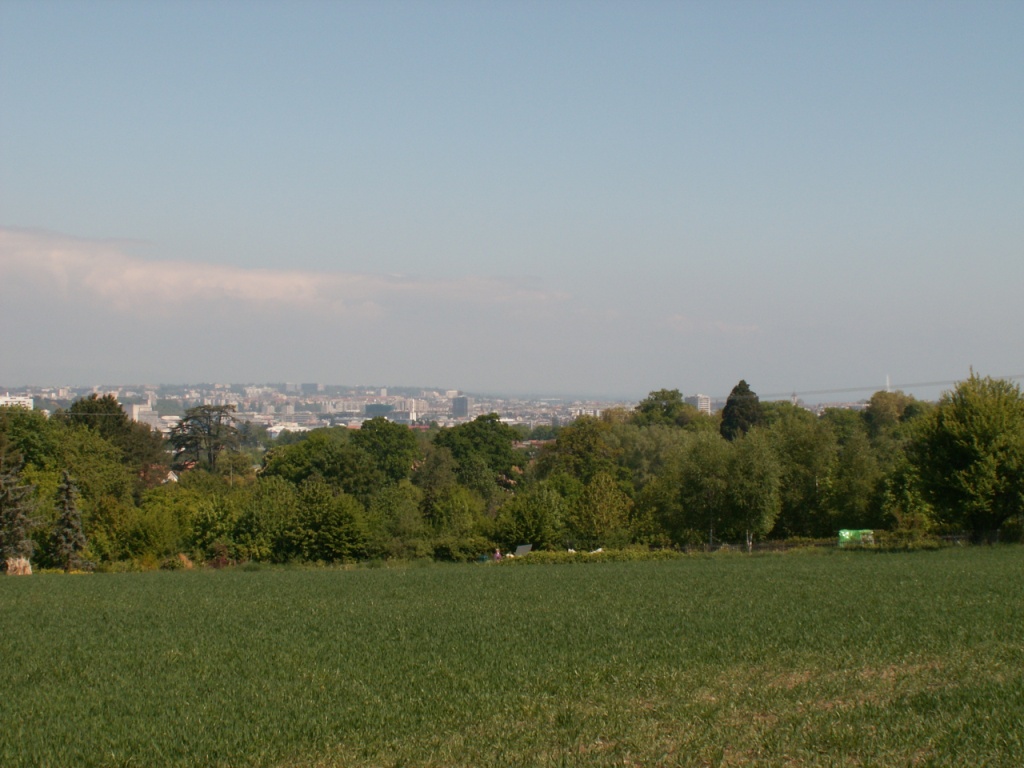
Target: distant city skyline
<point x="568" y="199"/>
<point x="929" y="391"/>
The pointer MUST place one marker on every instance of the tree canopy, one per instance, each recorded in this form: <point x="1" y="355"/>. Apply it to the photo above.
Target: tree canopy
<point x="202" y="433"/>
<point x="970" y="455"/>
<point x="742" y="412"/>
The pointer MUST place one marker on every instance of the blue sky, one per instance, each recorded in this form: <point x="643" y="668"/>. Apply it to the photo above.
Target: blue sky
<point x="594" y="198"/>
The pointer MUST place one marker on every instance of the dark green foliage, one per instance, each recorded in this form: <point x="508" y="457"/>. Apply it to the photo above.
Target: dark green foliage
<point x="856" y="484"/>
<point x="582" y="450"/>
<point x="67" y="540"/>
<point x="329" y="526"/>
<point x="755" y="480"/>
<point x="703" y="488"/>
<point x="646" y="452"/>
<point x="970" y="455"/>
<point x="331" y="456"/>
<point x="806" y="448"/>
<point x="600" y="516"/>
<point x="386" y="492"/>
<point x="395" y="524"/>
<point x="202" y="434"/>
<point x="486" y="437"/>
<point x="392" y="447"/>
<point x="29" y="434"/>
<point x="536" y="516"/>
<point x="665" y="407"/>
<point x="142" y="448"/>
<point x="435" y="477"/>
<point x="261" y="531"/>
<point x="15" y="507"/>
<point x="741" y="413"/>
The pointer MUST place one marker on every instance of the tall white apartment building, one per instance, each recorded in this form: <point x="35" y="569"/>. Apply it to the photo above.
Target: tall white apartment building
<point x="701" y="402"/>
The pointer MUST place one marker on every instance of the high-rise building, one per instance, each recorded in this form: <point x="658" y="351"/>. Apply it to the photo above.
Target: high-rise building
<point x="701" y="402"/>
<point x="460" y="406"/>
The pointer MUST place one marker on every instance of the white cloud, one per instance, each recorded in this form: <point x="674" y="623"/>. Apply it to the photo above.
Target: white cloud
<point x="104" y="271"/>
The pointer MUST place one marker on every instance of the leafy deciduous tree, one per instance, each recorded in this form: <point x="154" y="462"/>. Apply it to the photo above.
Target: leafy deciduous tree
<point x="970" y="456"/>
<point x="393" y="447"/>
<point x="664" y="406"/>
<point x="534" y="516"/>
<point x="601" y="515"/>
<point x="753" y="486"/>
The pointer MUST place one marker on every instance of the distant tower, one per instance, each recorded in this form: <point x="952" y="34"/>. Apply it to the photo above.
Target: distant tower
<point x="460" y="406"/>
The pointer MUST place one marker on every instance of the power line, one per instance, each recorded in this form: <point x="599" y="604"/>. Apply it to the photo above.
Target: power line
<point x="872" y="389"/>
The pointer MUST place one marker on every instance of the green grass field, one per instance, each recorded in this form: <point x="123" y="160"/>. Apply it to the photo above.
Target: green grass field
<point x="834" y="658"/>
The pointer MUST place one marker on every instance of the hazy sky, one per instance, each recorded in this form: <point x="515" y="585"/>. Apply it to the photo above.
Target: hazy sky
<point x="551" y="197"/>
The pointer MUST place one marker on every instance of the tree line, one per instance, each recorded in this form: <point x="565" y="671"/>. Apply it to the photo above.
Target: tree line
<point x="89" y="487"/>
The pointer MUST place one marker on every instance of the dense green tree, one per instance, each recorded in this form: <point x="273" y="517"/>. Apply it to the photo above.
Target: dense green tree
<point x="34" y="438"/>
<point x="543" y="432"/>
<point x="15" y="507"/>
<point x="202" y="434"/>
<point x="330" y="526"/>
<point x="487" y="437"/>
<point x="853" y="492"/>
<point x="254" y="436"/>
<point x="236" y="467"/>
<point x="754" y="486"/>
<point x="535" y="516"/>
<point x="970" y="455"/>
<point x="96" y="464"/>
<point x="142" y="448"/>
<point x="582" y="450"/>
<point x="601" y="515"/>
<point x="807" y="449"/>
<point x="665" y="407"/>
<point x="742" y="412"/>
<point x="330" y="455"/>
<point x="396" y="527"/>
<point x="458" y="511"/>
<point x="704" y="486"/>
<point x="906" y="510"/>
<point x="645" y="452"/>
<point x="67" y="539"/>
<point x="474" y="474"/>
<point x="885" y="411"/>
<point x="261" y="531"/>
<point x="435" y="477"/>
<point x="393" y="447"/>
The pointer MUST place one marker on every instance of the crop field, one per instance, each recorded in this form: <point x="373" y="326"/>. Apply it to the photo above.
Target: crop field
<point x="837" y="658"/>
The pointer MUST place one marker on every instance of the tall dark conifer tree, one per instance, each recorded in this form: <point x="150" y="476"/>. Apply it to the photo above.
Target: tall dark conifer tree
<point x="68" y="540"/>
<point x="742" y="411"/>
<point x="15" y="506"/>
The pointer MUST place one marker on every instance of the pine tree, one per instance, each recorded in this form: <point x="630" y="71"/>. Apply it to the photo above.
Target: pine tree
<point x="68" y="540"/>
<point x="15" y="506"/>
<point x="742" y="411"/>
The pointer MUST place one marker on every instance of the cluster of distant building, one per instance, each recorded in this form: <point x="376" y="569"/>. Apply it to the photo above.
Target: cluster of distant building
<point x="300" y="407"/>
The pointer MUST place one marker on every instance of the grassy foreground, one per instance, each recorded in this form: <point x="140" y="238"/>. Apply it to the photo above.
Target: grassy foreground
<point x="828" y="659"/>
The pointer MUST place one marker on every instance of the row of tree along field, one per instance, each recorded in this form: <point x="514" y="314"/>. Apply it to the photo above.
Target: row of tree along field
<point x="88" y="486"/>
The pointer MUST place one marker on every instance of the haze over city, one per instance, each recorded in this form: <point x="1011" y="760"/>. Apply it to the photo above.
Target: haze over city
<point x="588" y="198"/>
